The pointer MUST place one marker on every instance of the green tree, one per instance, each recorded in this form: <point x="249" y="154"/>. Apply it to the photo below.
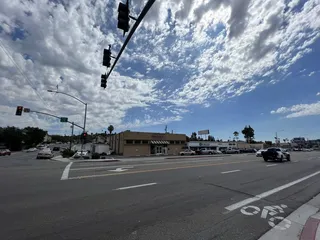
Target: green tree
<point x="248" y="133"/>
<point x="110" y="129"/>
<point x="193" y="136"/>
<point x="33" y="136"/>
<point x="211" y="138"/>
<point x="12" y="137"/>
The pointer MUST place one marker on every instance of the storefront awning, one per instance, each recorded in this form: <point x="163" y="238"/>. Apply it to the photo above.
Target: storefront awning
<point x="159" y="142"/>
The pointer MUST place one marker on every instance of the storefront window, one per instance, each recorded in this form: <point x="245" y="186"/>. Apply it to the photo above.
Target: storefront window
<point x="145" y="142"/>
<point x="171" y="142"/>
<point x="129" y="141"/>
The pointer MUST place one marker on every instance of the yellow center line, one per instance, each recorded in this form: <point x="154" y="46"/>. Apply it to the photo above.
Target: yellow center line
<point x="157" y="170"/>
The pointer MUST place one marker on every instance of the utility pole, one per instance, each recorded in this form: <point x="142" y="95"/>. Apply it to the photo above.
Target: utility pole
<point x="71" y="139"/>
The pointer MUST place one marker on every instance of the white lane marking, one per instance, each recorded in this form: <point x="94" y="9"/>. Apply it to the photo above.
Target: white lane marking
<point x="136" y="186"/>
<point x="65" y="173"/>
<point x="268" y="193"/>
<point x="231" y="171"/>
<point x="271" y="165"/>
<point x="144" y="164"/>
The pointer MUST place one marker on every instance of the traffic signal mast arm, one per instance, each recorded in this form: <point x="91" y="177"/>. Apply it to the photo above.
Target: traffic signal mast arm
<point x="51" y="115"/>
<point x="133" y="29"/>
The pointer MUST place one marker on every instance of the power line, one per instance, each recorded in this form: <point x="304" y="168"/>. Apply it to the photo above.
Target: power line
<point x="22" y="74"/>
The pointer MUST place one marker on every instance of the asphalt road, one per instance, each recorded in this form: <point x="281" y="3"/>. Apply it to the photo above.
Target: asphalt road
<point x="222" y="197"/>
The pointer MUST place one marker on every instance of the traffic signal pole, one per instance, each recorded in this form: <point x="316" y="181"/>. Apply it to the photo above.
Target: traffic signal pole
<point x="51" y="115"/>
<point x="133" y="29"/>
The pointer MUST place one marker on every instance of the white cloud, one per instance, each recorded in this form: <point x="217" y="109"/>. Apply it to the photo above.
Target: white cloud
<point x="318" y="94"/>
<point x="299" y="110"/>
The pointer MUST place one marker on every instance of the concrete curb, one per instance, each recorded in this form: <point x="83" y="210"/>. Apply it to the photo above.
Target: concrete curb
<point x="95" y="160"/>
<point x="300" y="228"/>
<point x="60" y="159"/>
<point x="198" y="156"/>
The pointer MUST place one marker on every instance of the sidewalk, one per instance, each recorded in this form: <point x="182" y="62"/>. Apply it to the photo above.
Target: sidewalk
<point x="305" y="224"/>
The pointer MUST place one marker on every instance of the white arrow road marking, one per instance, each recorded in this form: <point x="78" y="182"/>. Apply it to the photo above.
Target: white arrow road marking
<point x="119" y="170"/>
<point x="231" y="171"/>
<point x="136" y="186"/>
<point x="268" y="193"/>
<point x="65" y="173"/>
<point x="271" y="165"/>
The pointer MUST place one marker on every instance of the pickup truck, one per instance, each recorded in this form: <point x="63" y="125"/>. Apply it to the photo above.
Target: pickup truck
<point x="228" y="151"/>
<point x="207" y="151"/>
<point x="276" y="154"/>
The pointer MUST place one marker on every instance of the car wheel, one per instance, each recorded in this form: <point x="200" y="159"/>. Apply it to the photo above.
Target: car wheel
<point x="265" y="159"/>
<point x="288" y="158"/>
<point x="281" y="159"/>
<point x="181" y="154"/>
<point x="192" y="153"/>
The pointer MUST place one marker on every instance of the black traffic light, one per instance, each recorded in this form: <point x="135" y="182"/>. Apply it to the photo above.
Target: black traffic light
<point x="123" y="17"/>
<point x="104" y="80"/>
<point x="84" y="137"/>
<point x="19" y="110"/>
<point x="107" y="57"/>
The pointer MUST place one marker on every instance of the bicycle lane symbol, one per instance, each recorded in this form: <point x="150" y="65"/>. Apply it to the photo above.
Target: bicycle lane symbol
<point x="271" y="211"/>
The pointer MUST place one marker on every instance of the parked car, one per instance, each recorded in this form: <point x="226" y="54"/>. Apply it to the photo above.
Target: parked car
<point x="207" y="151"/>
<point x="230" y="151"/>
<point x="4" y="152"/>
<point x="83" y="154"/>
<point x="276" y="154"/>
<point x="45" y="153"/>
<point x="307" y="149"/>
<point x="31" y="150"/>
<point x="249" y="150"/>
<point x="187" y="152"/>
<point x="217" y="152"/>
<point x="259" y="152"/>
<point x="56" y="149"/>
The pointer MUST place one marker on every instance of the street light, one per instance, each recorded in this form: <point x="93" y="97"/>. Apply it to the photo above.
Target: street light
<point x="79" y="100"/>
<point x="277" y="139"/>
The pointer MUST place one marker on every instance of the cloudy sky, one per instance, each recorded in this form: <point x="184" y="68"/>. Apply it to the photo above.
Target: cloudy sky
<point x="191" y="65"/>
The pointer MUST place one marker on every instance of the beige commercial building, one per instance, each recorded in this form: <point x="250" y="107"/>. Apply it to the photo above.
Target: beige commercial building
<point x="146" y="143"/>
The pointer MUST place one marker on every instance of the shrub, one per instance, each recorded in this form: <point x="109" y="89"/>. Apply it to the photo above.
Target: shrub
<point x="95" y="156"/>
<point x="66" y="153"/>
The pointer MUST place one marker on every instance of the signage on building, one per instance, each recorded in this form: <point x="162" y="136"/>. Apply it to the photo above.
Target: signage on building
<point x="203" y="132"/>
<point x="157" y="137"/>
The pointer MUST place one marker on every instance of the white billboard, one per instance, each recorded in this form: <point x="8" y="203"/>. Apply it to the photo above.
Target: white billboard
<point x="203" y="132"/>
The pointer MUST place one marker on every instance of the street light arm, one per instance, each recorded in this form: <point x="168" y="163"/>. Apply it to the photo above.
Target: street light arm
<point x="68" y="95"/>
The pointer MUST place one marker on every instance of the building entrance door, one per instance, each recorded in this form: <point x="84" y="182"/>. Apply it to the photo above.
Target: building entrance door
<point x="158" y="149"/>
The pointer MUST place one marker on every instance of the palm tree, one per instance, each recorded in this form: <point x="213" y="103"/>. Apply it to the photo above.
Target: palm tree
<point x="235" y="134"/>
<point x="110" y="129"/>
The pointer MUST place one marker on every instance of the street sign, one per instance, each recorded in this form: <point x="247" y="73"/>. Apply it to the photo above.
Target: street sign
<point x="26" y="110"/>
<point x="63" y="119"/>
